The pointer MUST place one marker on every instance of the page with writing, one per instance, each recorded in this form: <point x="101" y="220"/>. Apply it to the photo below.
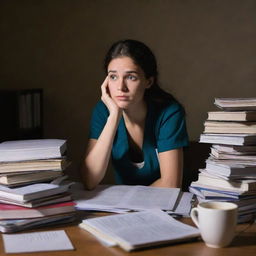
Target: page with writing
<point x="144" y="197"/>
<point x="103" y="197"/>
<point x="37" y="242"/>
<point x="141" y="229"/>
<point x="127" y="197"/>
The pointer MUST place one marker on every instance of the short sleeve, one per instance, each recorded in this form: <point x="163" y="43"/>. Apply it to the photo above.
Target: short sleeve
<point x="98" y="120"/>
<point x="171" y="132"/>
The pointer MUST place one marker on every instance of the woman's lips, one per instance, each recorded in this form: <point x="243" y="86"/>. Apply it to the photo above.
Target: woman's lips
<point x="122" y="98"/>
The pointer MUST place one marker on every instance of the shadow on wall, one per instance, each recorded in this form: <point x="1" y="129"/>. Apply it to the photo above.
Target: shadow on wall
<point x="194" y="159"/>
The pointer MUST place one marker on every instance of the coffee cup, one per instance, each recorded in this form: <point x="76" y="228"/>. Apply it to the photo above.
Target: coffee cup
<point x="216" y="222"/>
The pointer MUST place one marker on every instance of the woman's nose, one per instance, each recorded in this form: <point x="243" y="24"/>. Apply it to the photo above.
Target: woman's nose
<point x="122" y="86"/>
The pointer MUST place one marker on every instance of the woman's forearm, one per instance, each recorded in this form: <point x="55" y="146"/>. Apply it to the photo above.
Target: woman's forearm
<point x="165" y="184"/>
<point x="98" y="154"/>
<point x="171" y="169"/>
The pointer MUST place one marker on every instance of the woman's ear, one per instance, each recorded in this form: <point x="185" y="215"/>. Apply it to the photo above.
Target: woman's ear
<point x="150" y="82"/>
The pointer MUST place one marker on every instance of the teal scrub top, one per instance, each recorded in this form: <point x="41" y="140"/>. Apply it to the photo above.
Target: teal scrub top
<point x="165" y="129"/>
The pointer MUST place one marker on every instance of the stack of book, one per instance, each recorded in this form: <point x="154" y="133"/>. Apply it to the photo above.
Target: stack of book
<point x="31" y="172"/>
<point x="230" y="172"/>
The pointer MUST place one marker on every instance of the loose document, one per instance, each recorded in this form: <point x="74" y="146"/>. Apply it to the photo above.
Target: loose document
<point x="37" y="242"/>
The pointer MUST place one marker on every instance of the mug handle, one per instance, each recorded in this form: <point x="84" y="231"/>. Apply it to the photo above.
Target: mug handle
<point x="194" y="216"/>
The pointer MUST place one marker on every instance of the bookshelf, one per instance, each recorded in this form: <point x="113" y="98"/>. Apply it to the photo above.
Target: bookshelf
<point x="21" y="113"/>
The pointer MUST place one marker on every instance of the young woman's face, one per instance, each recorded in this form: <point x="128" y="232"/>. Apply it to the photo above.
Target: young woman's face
<point x="126" y="82"/>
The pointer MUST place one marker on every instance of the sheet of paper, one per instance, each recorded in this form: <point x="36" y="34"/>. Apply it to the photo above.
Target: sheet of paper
<point x="144" y="198"/>
<point x="37" y="242"/>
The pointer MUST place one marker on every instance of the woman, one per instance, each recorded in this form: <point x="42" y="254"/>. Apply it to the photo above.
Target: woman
<point x="136" y="123"/>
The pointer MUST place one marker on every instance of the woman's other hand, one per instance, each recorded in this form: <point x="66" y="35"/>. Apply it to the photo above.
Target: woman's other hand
<point x="108" y="101"/>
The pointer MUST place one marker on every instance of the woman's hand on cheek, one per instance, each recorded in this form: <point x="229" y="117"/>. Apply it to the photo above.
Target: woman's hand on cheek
<point x="108" y="101"/>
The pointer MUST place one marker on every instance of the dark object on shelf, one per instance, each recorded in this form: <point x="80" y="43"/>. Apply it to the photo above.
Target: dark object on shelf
<point x="21" y="114"/>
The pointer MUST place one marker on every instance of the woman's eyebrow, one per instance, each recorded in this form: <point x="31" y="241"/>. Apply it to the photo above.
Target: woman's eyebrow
<point x="129" y="71"/>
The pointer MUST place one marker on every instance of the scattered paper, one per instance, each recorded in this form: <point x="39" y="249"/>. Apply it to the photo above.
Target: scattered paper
<point x="37" y="242"/>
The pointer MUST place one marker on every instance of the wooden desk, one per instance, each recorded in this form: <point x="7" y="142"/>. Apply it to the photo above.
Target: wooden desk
<point x="85" y="244"/>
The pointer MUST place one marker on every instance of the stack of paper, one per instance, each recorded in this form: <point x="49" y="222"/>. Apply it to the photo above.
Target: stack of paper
<point x="24" y="165"/>
<point x="230" y="172"/>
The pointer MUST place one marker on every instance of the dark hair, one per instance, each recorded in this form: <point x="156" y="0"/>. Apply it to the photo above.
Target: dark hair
<point x="144" y="57"/>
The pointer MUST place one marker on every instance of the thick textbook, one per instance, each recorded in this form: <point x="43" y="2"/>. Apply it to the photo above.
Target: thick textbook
<point x="139" y="230"/>
<point x="34" y="165"/>
<point x="18" y="179"/>
<point x="229" y="127"/>
<point x="21" y="150"/>
<point x="232" y="115"/>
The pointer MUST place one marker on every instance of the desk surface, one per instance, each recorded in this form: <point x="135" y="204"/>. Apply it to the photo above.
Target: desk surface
<point x="86" y="244"/>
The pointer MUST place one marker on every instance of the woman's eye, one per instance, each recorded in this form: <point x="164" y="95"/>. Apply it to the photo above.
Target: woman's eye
<point x="113" y="77"/>
<point x="133" y="78"/>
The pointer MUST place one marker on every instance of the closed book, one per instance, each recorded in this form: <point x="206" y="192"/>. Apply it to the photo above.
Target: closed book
<point x="22" y="150"/>
<point x="138" y="230"/>
<point x="34" y="165"/>
<point x="234" y="156"/>
<point x="15" y="225"/>
<point x="232" y="115"/>
<point x="233" y="192"/>
<point x="229" y="127"/>
<point x="211" y="194"/>
<point x="228" y="170"/>
<point x="15" y="179"/>
<point x="19" y="212"/>
<point x="236" y="103"/>
<point x="233" y="149"/>
<point x="243" y="185"/>
<point x="54" y="199"/>
<point x="229" y="139"/>
<point x="31" y="192"/>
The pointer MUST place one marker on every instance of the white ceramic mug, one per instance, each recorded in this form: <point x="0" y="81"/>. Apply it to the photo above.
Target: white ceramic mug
<point x="216" y="222"/>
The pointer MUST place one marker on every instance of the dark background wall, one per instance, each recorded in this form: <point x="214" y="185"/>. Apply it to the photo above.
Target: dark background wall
<point x="205" y="49"/>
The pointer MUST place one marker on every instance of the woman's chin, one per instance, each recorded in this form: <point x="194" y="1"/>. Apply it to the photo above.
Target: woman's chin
<point x="123" y="105"/>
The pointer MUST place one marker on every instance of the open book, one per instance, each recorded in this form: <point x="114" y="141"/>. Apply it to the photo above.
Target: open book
<point x="107" y="197"/>
<point x="138" y="230"/>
